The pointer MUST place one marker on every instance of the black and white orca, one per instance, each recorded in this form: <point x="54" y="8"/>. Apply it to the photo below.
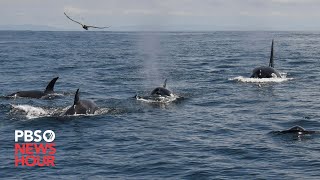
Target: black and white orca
<point x="37" y="94"/>
<point x="81" y="106"/>
<point x="162" y="91"/>
<point x="266" y="71"/>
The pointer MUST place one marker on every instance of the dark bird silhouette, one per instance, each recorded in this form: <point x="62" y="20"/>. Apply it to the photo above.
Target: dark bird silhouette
<point x="85" y="26"/>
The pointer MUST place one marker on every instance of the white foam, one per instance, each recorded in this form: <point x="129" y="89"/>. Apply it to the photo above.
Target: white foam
<point x="261" y="80"/>
<point x="102" y="111"/>
<point x="160" y="99"/>
<point x="31" y="111"/>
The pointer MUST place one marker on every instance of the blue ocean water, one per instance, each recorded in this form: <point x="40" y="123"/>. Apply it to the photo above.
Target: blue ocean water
<point x="220" y="130"/>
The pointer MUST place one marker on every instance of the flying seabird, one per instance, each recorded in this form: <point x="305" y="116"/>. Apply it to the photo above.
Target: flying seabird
<point x="85" y="26"/>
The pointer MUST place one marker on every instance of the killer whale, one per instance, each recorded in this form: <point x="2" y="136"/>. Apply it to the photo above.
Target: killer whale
<point x="297" y="130"/>
<point x="266" y="71"/>
<point x="161" y="91"/>
<point x="37" y="94"/>
<point x="81" y="106"/>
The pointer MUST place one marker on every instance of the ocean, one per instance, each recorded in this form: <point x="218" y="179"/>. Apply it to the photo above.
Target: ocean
<point x="221" y="128"/>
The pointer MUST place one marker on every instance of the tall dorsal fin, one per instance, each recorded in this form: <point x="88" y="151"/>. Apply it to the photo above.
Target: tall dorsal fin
<point x="76" y="97"/>
<point x="165" y="83"/>
<point x="50" y="86"/>
<point x="271" y="56"/>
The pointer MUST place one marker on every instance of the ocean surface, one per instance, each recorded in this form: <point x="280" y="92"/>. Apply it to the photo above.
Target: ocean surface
<point x="220" y="129"/>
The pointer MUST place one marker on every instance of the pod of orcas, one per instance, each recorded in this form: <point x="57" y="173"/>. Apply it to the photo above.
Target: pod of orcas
<point x="259" y="72"/>
<point x="80" y="106"/>
<point x="89" y="107"/>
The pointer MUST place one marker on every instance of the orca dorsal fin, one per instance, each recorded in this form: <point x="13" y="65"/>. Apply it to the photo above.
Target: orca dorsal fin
<point x="165" y="83"/>
<point x="76" y="97"/>
<point x="50" y="86"/>
<point x="271" y="56"/>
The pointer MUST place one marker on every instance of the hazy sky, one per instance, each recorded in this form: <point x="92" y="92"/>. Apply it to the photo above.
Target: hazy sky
<point x="166" y="14"/>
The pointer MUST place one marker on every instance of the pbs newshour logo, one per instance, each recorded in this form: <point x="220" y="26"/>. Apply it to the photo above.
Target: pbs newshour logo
<point x="34" y="148"/>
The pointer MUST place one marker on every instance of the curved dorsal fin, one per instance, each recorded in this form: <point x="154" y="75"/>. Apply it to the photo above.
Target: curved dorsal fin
<point x="271" y="56"/>
<point x="165" y="83"/>
<point x="50" y="86"/>
<point x="76" y="97"/>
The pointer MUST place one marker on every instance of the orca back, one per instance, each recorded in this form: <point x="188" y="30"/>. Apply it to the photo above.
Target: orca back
<point x="265" y="72"/>
<point x="160" y="91"/>
<point x="29" y="94"/>
<point x="297" y="130"/>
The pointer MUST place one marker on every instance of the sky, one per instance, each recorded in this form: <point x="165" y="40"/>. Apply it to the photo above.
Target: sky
<point x="285" y="15"/>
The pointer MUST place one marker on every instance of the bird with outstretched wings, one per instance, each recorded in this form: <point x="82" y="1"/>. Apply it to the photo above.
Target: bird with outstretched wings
<point x="85" y="26"/>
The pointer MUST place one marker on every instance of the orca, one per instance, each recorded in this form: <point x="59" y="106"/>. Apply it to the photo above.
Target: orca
<point x="81" y="106"/>
<point x="266" y="71"/>
<point x="162" y="91"/>
<point x="297" y="130"/>
<point x="37" y="94"/>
